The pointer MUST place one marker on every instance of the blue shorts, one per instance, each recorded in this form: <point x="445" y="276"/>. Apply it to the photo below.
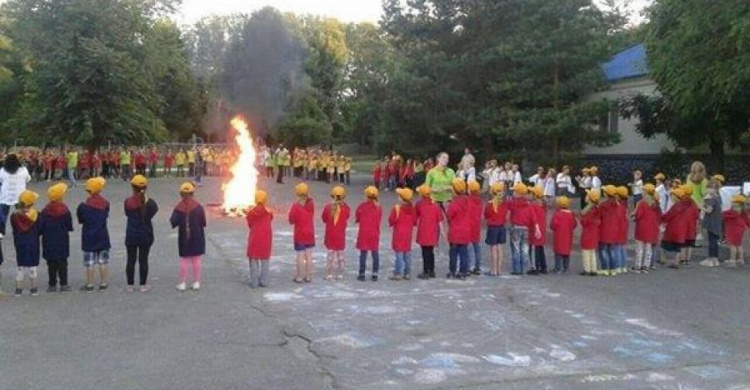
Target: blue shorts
<point x="93" y="258"/>
<point x="302" y="247"/>
<point x="496" y="235"/>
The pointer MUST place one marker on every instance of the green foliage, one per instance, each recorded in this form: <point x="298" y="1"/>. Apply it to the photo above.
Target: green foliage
<point x="306" y="125"/>
<point x="97" y="70"/>
<point x="698" y="56"/>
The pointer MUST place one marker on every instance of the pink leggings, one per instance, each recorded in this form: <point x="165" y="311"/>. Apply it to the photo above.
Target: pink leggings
<point x="185" y="262"/>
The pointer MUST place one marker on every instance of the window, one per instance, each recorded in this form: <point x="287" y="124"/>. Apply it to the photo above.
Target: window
<point x="610" y="122"/>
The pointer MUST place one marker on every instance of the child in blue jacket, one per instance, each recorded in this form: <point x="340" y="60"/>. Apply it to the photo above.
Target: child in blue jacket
<point x="92" y="215"/>
<point x="55" y="225"/>
<point x="25" y="222"/>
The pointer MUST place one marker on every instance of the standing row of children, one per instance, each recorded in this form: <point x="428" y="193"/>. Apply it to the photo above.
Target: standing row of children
<point x="520" y="220"/>
<point x="52" y="226"/>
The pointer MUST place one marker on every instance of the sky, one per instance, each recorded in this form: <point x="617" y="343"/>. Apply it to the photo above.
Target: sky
<point x="344" y="10"/>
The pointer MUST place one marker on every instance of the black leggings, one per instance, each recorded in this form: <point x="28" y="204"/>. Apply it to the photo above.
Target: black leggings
<point x="428" y="259"/>
<point x="141" y="254"/>
<point x="57" y="269"/>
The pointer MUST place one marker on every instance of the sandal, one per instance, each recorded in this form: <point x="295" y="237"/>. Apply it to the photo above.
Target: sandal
<point x="298" y="281"/>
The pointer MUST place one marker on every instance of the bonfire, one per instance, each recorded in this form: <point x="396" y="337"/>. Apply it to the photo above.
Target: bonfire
<point x="239" y="192"/>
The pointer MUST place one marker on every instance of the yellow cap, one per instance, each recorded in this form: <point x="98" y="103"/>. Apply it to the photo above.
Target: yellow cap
<point x="56" y="192"/>
<point x="720" y="178"/>
<point x="459" y="185"/>
<point x="739" y="199"/>
<point x="622" y="192"/>
<point x="538" y="192"/>
<point x="139" y="181"/>
<point x="660" y="177"/>
<point x="563" y="202"/>
<point x="594" y="169"/>
<point x="474" y="186"/>
<point x="261" y="197"/>
<point x="679" y="192"/>
<point x="649" y="189"/>
<point x="28" y="198"/>
<point x="520" y="189"/>
<point x="405" y="194"/>
<point x="338" y="192"/>
<point x="593" y="196"/>
<point x="187" y="188"/>
<point x="95" y="185"/>
<point x="688" y="190"/>
<point x="371" y="192"/>
<point x="424" y="190"/>
<point x="301" y="189"/>
<point x="610" y="190"/>
<point x="497" y="188"/>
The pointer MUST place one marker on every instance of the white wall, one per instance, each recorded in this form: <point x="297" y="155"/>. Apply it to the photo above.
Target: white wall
<point x="630" y="141"/>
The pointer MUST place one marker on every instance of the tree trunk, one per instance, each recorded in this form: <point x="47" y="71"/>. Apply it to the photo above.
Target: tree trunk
<point x="716" y="144"/>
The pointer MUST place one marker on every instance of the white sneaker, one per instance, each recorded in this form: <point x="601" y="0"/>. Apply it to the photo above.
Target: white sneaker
<point x="715" y="262"/>
<point x="181" y="287"/>
<point x="196" y="286"/>
<point x="1" y="236"/>
<point x="707" y="263"/>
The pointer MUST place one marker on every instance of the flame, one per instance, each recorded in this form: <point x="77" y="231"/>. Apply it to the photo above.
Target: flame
<point x="239" y="192"/>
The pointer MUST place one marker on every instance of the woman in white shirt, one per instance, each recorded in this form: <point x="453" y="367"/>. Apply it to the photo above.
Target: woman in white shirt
<point x="564" y="182"/>
<point x="596" y="182"/>
<point x="549" y="187"/>
<point x="13" y="180"/>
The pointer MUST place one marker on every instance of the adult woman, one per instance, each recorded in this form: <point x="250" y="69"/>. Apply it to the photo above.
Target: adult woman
<point x="698" y="182"/>
<point x="440" y="180"/>
<point x="564" y="182"/>
<point x="13" y="180"/>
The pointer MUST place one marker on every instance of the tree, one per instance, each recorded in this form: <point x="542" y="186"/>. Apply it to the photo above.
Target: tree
<point x="697" y="53"/>
<point x="500" y="73"/>
<point x="92" y="77"/>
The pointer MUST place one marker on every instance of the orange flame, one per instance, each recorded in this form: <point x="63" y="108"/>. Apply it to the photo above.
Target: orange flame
<point x="239" y="192"/>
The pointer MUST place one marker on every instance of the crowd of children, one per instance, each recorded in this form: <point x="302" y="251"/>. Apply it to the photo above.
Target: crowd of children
<point x="666" y="229"/>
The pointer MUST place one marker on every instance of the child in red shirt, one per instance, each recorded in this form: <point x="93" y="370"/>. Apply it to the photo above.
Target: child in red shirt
<point x="590" y="221"/>
<point x="336" y="217"/>
<point x="496" y="214"/>
<point x="403" y="218"/>
<point x="692" y="228"/>
<point x="301" y="217"/>
<point x="623" y="225"/>
<point x="459" y="231"/>
<point x="609" y="232"/>
<point x="675" y="229"/>
<point x="563" y="224"/>
<point x="168" y="161"/>
<point x="429" y="218"/>
<point x="476" y="206"/>
<point x="259" y="240"/>
<point x="376" y="174"/>
<point x="538" y="242"/>
<point x="368" y="216"/>
<point x="647" y="216"/>
<point x="736" y="222"/>
<point x="523" y="224"/>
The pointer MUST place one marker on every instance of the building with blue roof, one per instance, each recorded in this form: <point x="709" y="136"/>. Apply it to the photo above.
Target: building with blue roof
<point x="627" y="74"/>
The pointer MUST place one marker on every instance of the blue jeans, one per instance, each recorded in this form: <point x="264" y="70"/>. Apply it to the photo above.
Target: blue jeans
<point x="622" y="257"/>
<point x="477" y="252"/>
<point x="519" y="247"/>
<point x="636" y="199"/>
<point x="713" y="245"/>
<point x="458" y="258"/>
<point x="363" y="262"/>
<point x="403" y="263"/>
<point x="608" y="257"/>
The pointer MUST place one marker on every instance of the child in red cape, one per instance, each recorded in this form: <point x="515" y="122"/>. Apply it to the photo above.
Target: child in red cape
<point x="429" y="218"/>
<point x="336" y="217"/>
<point x="403" y="218"/>
<point x="301" y="217"/>
<point x="590" y="221"/>
<point x="476" y="206"/>
<point x="369" y="215"/>
<point x="736" y="222"/>
<point x="259" y="240"/>
<point x="496" y="215"/>
<point x="538" y="242"/>
<point x="563" y="224"/>
<point x="647" y="216"/>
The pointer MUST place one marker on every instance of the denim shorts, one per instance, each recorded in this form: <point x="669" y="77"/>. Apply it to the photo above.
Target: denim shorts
<point x="496" y="235"/>
<point x="93" y="258"/>
<point x="302" y="247"/>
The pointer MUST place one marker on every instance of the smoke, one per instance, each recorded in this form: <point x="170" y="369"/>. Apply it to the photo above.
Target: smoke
<point x="263" y="69"/>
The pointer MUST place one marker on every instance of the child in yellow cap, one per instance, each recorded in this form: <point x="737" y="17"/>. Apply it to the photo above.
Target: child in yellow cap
<point x="368" y="216"/>
<point x="55" y="225"/>
<point x="301" y="217"/>
<point x="563" y="224"/>
<point x="92" y="215"/>
<point x="736" y="223"/>
<point x="139" y="232"/>
<point x="430" y="217"/>
<point x="496" y="216"/>
<point x="402" y="220"/>
<point x="25" y="223"/>
<point x="190" y="219"/>
<point x="476" y="208"/>
<point x="336" y="218"/>
<point x="259" y="220"/>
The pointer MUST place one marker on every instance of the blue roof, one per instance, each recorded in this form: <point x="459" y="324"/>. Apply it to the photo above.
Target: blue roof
<point x="627" y="64"/>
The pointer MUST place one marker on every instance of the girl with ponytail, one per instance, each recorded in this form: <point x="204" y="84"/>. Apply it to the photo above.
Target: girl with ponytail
<point x="139" y="234"/>
<point x="336" y="217"/>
